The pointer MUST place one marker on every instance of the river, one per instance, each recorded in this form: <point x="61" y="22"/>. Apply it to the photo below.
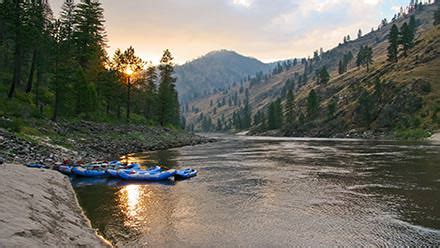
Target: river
<point x="276" y="192"/>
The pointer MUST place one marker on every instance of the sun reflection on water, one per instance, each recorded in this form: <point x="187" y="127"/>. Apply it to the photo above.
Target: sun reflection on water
<point x="133" y="194"/>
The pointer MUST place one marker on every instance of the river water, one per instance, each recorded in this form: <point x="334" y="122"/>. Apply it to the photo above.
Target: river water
<point x="276" y="192"/>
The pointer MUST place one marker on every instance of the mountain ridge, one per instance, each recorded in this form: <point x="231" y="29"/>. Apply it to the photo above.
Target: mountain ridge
<point x="347" y="88"/>
<point x="215" y="70"/>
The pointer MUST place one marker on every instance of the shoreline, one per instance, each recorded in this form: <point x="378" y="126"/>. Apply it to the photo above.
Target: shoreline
<point x="88" y="141"/>
<point x="40" y="206"/>
<point x="42" y="210"/>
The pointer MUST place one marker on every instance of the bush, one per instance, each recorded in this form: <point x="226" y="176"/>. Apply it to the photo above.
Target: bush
<point x="13" y="125"/>
<point x="412" y="134"/>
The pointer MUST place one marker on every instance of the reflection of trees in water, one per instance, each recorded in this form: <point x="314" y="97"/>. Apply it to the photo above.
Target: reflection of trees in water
<point x="166" y="158"/>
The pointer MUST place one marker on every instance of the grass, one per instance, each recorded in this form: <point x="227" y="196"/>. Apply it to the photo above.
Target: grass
<point x="412" y="134"/>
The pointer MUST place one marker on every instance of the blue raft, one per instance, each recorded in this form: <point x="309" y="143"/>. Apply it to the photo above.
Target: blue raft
<point x="114" y="172"/>
<point x="37" y="166"/>
<point x="89" y="171"/>
<point x="186" y="173"/>
<point x="65" y="169"/>
<point x="147" y="175"/>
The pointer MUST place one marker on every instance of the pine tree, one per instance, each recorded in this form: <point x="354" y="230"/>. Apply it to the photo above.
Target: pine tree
<point x="16" y="21"/>
<point x="133" y="66"/>
<point x="168" y="112"/>
<point x="36" y="25"/>
<point x="289" y="110"/>
<point x="393" y="39"/>
<point x="368" y="57"/>
<point x="407" y="38"/>
<point x="275" y="118"/>
<point x="90" y="40"/>
<point x="323" y="76"/>
<point x="150" y="93"/>
<point x="340" y="67"/>
<point x="312" y="104"/>
<point x="359" y="34"/>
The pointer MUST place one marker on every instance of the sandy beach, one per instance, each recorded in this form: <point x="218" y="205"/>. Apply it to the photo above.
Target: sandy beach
<point x="39" y="209"/>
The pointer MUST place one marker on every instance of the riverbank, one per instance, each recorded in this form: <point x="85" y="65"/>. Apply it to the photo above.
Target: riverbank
<point x="39" y="209"/>
<point x="51" y="142"/>
<point x="410" y="134"/>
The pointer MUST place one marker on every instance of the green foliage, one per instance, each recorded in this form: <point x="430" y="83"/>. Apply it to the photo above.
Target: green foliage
<point x="289" y="110"/>
<point x="14" y="125"/>
<point x="393" y="39"/>
<point x="364" y="108"/>
<point x="68" y="73"/>
<point x="365" y="57"/>
<point x="331" y="109"/>
<point x="274" y="115"/>
<point x="312" y="104"/>
<point x="323" y="76"/>
<point x="412" y="134"/>
<point x="343" y="64"/>
<point x="168" y="110"/>
<point x="407" y="38"/>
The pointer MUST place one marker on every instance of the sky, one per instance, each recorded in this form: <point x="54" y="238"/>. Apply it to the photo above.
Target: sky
<point x="268" y="30"/>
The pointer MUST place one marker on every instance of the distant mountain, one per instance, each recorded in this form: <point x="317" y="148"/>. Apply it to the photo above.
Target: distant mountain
<point x="215" y="70"/>
<point x="400" y="99"/>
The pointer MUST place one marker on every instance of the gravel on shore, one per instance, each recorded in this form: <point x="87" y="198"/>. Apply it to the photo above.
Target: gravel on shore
<point x="39" y="209"/>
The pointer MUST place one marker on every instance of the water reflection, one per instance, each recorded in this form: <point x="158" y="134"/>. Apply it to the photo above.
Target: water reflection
<point x="130" y="198"/>
<point x="270" y="192"/>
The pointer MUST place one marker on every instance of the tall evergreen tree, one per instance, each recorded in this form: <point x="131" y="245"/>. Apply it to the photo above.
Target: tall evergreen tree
<point x="407" y="38"/>
<point x="289" y="110"/>
<point x="38" y="20"/>
<point x="133" y="66"/>
<point x="151" y="93"/>
<point x="274" y="115"/>
<point x="90" y="40"/>
<point x="168" y="111"/>
<point x="312" y="104"/>
<point x="17" y="9"/>
<point x="323" y="76"/>
<point x="393" y="47"/>
<point x="340" y="67"/>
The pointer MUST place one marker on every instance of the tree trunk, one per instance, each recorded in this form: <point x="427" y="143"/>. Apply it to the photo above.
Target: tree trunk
<point x="31" y="73"/>
<point x="128" y="99"/>
<point x="37" y="86"/>
<point x="57" y="90"/>
<point x="17" y="59"/>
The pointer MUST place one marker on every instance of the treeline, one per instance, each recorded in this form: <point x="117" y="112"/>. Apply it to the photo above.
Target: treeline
<point x="58" y="68"/>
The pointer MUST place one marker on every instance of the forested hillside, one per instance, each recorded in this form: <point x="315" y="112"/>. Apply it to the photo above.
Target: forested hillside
<point x="213" y="71"/>
<point x="57" y="68"/>
<point x="385" y="82"/>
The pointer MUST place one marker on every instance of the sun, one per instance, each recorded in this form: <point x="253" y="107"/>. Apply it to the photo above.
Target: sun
<point x="246" y="3"/>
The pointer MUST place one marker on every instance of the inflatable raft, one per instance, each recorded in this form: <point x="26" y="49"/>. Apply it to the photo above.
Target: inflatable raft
<point x="143" y="175"/>
<point x="65" y="169"/>
<point x="90" y="171"/>
<point x="186" y="173"/>
<point x="113" y="172"/>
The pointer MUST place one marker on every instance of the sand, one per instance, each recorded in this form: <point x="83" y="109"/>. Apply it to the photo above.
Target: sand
<point x="38" y="208"/>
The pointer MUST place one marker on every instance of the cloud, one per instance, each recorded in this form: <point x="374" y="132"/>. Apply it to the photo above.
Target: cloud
<point x="246" y="3"/>
<point x="268" y="30"/>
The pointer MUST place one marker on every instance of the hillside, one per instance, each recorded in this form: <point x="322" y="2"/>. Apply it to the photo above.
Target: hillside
<point x="215" y="70"/>
<point x="390" y="98"/>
